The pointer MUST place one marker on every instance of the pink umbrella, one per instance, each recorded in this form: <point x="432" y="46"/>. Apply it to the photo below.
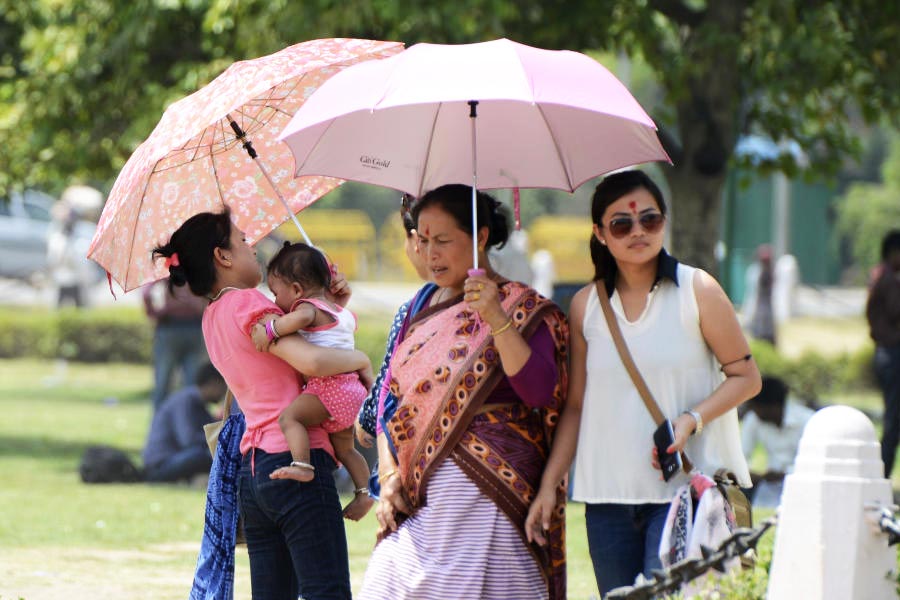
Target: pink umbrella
<point x="551" y="119"/>
<point x="202" y="155"/>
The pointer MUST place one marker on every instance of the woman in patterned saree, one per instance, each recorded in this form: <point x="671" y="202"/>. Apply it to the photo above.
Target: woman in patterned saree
<point x="480" y="374"/>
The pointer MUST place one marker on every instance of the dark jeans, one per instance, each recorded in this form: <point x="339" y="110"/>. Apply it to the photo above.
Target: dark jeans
<point x="623" y="540"/>
<point x="295" y="531"/>
<point x="177" y="344"/>
<point x="181" y="465"/>
<point x="887" y="369"/>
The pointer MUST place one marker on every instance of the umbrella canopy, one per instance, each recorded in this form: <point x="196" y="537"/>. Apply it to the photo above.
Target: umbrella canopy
<point x="202" y="155"/>
<point x="539" y="118"/>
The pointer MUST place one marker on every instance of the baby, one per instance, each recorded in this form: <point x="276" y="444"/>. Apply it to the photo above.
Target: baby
<point x="299" y="276"/>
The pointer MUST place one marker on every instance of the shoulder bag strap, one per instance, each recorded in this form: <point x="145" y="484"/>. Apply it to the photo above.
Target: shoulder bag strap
<point x="649" y="401"/>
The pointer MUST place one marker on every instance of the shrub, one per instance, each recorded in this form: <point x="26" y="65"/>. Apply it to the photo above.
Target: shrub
<point x="812" y="375"/>
<point x="105" y="336"/>
<point x="88" y="335"/>
<point x="860" y="370"/>
<point x="768" y="359"/>
<point x="26" y="333"/>
<point x="115" y="335"/>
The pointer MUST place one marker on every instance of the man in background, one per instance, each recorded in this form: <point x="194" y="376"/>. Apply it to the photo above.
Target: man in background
<point x="178" y="344"/>
<point x="775" y="421"/>
<point x="176" y="447"/>
<point x="883" y="315"/>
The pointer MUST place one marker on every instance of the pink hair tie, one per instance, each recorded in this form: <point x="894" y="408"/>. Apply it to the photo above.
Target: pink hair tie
<point x="172" y="261"/>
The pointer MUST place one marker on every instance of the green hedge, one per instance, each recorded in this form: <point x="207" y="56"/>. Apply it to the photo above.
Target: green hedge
<point x="812" y="376"/>
<point x="87" y="335"/>
<point x="125" y="335"/>
<point x="114" y="335"/>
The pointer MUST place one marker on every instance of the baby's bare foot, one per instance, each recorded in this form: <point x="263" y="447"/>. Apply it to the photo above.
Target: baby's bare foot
<point x="358" y="507"/>
<point x="298" y="471"/>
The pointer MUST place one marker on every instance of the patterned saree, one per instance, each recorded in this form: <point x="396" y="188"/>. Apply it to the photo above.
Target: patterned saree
<point x="444" y="372"/>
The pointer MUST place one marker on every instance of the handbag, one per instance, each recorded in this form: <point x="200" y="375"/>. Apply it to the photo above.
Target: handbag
<point x="725" y="480"/>
<point x="212" y="430"/>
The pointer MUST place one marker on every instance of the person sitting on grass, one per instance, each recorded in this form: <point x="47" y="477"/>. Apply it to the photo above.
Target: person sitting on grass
<point x="299" y="276"/>
<point x="176" y="446"/>
<point x="776" y="421"/>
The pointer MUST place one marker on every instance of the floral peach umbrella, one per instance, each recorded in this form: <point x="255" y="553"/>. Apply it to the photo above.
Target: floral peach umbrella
<point x="219" y="147"/>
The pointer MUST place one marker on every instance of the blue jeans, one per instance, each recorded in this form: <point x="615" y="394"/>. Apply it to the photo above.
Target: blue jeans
<point x="887" y="369"/>
<point x="184" y="464"/>
<point x="623" y="540"/>
<point x="177" y="344"/>
<point x="295" y="531"/>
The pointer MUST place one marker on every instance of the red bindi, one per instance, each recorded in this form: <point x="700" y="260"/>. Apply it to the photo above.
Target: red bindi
<point x="633" y="206"/>
<point x="427" y="230"/>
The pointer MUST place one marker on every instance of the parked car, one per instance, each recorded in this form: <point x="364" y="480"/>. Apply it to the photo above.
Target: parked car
<point x="26" y="223"/>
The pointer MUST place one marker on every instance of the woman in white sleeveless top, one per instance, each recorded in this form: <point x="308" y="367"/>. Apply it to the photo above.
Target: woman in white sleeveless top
<point x="686" y="341"/>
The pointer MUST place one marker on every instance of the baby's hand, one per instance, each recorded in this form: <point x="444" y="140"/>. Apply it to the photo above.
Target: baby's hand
<point x="340" y="288"/>
<point x="260" y="339"/>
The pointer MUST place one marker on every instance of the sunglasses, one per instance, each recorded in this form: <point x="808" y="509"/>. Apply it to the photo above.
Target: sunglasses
<point x="622" y="226"/>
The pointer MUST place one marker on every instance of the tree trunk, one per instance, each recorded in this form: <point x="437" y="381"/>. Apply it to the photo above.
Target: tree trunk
<point x="695" y="209"/>
<point x="707" y="112"/>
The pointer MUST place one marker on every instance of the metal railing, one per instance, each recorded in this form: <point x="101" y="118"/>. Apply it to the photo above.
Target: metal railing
<point x="670" y="580"/>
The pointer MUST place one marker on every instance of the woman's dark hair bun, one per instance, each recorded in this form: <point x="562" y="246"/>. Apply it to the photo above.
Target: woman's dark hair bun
<point x="177" y="276"/>
<point x="189" y="251"/>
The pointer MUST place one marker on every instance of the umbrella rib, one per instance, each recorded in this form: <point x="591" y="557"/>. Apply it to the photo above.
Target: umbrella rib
<point x="220" y="125"/>
<point x="136" y="219"/>
<point x="215" y="170"/>
<point x="428" y="150"/>
<point x="556" y="145"/>
<point x="196" y="147"/>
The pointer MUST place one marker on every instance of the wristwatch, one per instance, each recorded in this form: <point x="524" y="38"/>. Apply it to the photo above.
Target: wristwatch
<point x="697" y="418"/>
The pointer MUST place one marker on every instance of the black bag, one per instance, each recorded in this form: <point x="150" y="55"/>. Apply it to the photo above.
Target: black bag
<point x="105" y="464"/>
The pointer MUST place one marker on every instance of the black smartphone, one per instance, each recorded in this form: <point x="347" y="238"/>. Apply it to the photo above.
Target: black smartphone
<point x="663" y="437"/>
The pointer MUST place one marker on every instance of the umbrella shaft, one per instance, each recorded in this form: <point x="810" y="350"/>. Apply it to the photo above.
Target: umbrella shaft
<point x="248" y="146"/>
<point x="473" y="114"/>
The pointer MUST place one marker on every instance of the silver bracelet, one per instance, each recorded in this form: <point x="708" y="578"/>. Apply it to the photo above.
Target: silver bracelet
<point x="699" y="428"/>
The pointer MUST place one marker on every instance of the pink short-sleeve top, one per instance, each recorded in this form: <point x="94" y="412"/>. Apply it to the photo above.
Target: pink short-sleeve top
<point x="262" y="383"/>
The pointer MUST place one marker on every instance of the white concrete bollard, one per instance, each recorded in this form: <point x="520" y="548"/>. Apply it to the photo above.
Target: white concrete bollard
<point x="826" y="547"/>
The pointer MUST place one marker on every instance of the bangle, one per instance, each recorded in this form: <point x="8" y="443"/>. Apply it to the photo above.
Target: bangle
<point x="497" y="332"/>
<point x="362" y="490"/>
<point x="271" y="332"/>
<point x="697" y="418"/>
<point x="382" y="478"/>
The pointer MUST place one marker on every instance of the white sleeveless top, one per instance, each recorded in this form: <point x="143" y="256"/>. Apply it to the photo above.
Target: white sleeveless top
<point x="337" y="334"/>
<point x="612" y="463"/>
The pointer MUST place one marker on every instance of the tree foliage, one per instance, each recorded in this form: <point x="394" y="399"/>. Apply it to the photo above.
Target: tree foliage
<point x="82" y="82"/>
<point x="868" y="211"/>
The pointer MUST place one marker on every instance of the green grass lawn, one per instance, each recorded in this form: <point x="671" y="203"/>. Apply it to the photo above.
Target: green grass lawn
<point x="62" y="538"/>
